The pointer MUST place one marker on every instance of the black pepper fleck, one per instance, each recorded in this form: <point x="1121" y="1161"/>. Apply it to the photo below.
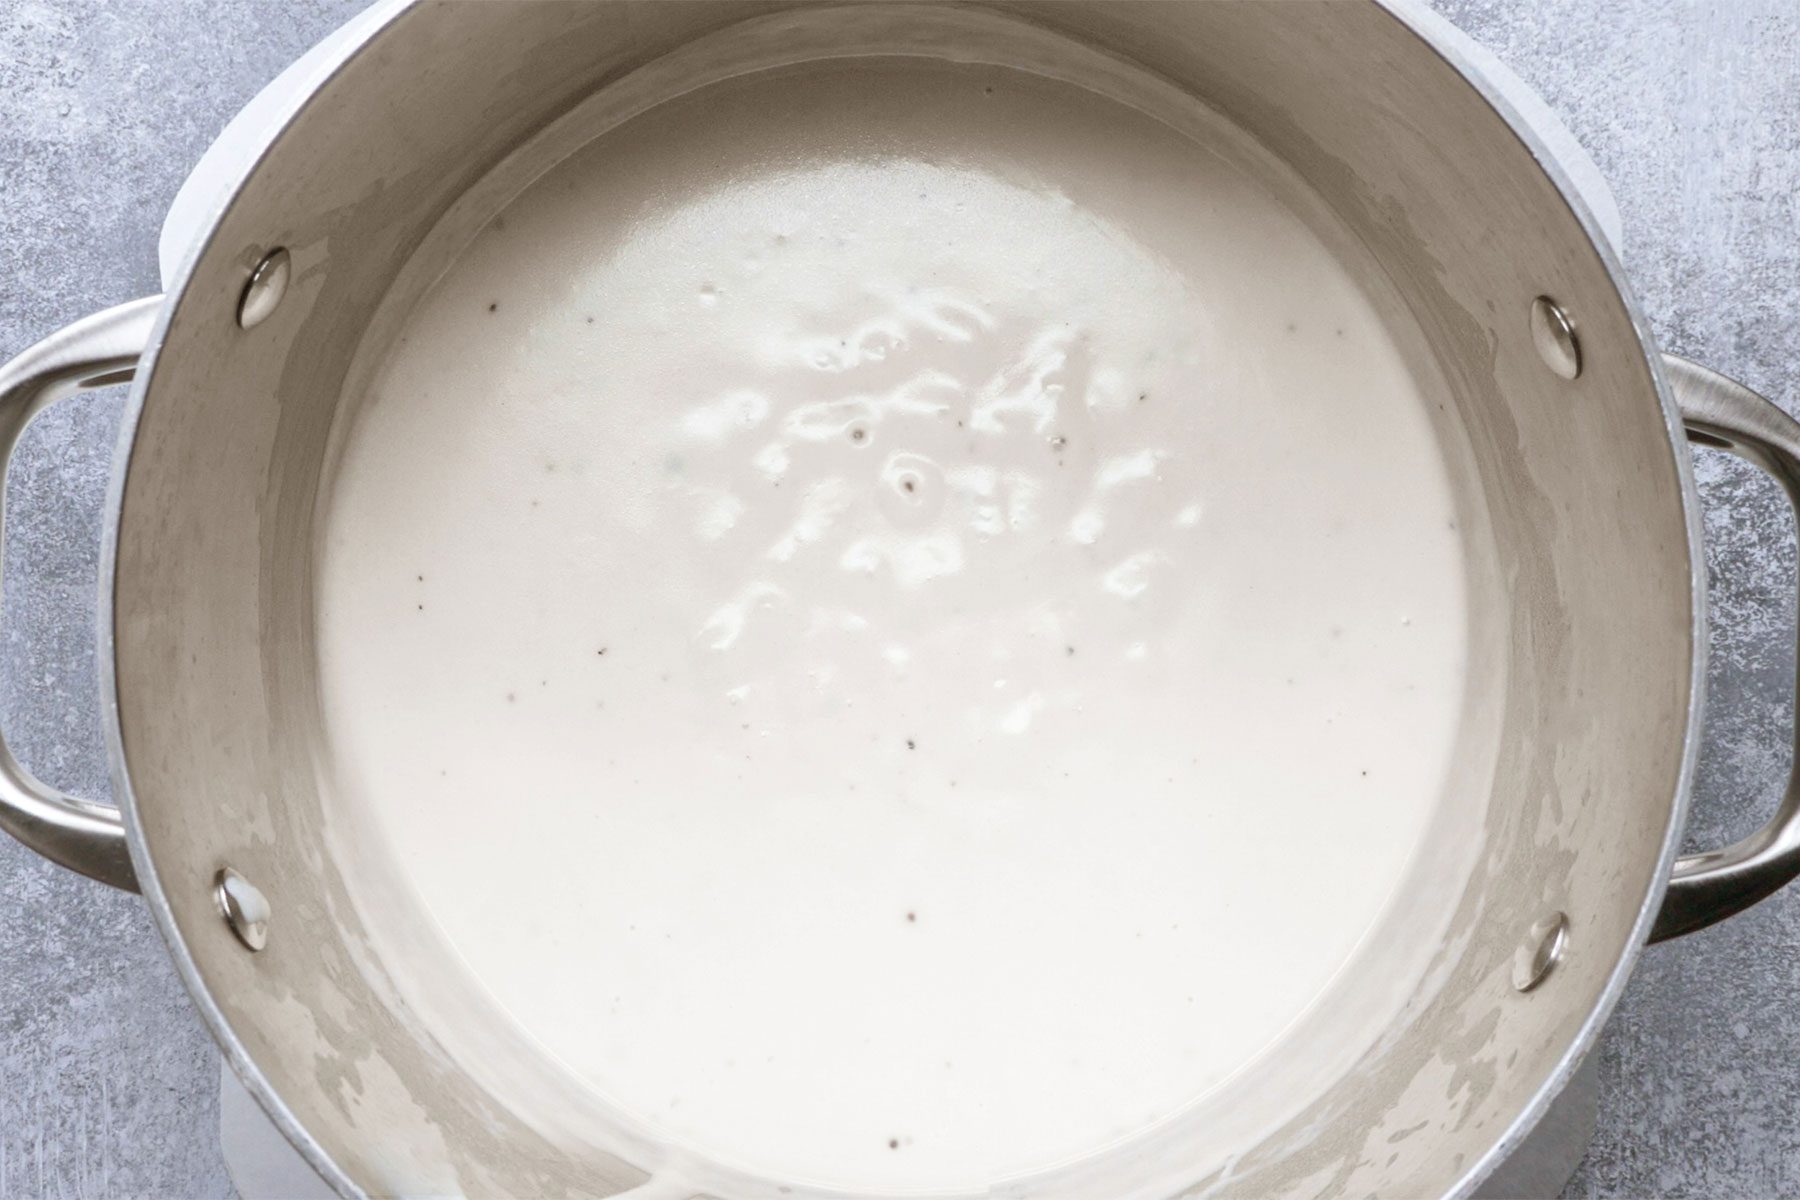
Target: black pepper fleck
<point x="494" y="307"/>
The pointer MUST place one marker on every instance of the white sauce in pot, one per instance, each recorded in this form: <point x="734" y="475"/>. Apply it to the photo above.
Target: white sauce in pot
<point x="904" y="622"/>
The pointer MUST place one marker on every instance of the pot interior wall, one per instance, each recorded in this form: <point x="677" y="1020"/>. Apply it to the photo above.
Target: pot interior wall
<point x="1584" y="647"/>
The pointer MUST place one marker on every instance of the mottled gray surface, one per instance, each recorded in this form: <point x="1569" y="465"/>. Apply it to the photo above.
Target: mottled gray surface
<point x="107" y="1082"/>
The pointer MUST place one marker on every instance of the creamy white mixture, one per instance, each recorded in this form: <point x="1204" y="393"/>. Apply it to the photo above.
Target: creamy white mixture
<point x="903" y="621"/>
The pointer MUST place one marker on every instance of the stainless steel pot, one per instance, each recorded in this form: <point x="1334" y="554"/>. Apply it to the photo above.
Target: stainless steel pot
<point x="1574" y="421"/>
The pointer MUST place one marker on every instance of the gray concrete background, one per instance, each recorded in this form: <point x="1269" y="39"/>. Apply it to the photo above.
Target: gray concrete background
<point x="108" y="1084"/>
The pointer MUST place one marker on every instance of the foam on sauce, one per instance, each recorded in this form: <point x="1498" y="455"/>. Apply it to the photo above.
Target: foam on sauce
<point x="904" y="622"/>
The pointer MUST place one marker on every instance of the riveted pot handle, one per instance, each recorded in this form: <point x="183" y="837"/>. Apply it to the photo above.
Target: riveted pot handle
<point x="97" y="351"/>
<point x="1709" y="887"/>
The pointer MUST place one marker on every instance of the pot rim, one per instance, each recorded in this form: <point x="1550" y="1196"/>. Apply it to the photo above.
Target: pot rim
<point x="1427" y="27"/>
<point x="381" y="16"/>
<point x="1420" y="23"/>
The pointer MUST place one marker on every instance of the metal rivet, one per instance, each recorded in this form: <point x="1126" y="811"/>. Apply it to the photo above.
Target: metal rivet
<point x="244" y="908"/>
<point x="1554" y="336"/>
<point x="268" y="284"/>
<point x="1541" y="950"/>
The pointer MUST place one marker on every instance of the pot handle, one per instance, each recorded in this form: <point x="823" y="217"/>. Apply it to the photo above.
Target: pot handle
<point x="1711" y="886"/>
<point x="97" y="351"/>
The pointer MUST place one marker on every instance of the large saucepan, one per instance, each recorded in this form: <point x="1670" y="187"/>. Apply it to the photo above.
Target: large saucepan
<point x="1575" y="425"/>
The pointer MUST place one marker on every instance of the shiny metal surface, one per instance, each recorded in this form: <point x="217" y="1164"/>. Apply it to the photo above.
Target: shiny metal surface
<point x="267" y="285"/>
<point x="244" y="908"/>
<point x="1539" y="951"/>
<point x="1584" y="513"/>
<point x="1554" y="336"/>
<point x="1711" y="886"/>
<point x="1540" y="1166"/>
<point x="103" y="349"/>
